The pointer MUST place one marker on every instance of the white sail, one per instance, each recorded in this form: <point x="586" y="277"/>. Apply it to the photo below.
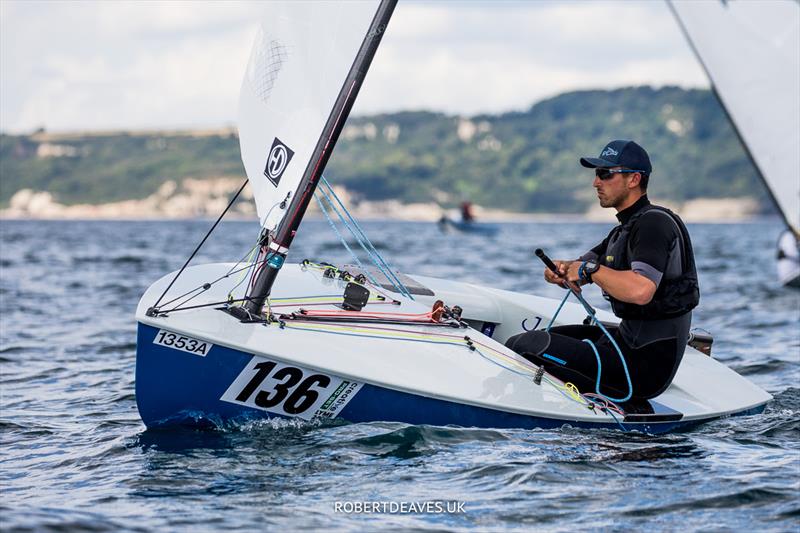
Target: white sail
<point x="751" y="52"/>
<point x="299" y="62"/>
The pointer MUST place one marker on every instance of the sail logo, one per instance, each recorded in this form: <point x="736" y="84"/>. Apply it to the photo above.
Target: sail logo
<point x="609" y="151"/>
<point x="277" y="161"/>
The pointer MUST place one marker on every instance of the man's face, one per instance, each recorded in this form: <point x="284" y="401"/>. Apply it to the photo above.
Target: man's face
<point x="612" y="191"/>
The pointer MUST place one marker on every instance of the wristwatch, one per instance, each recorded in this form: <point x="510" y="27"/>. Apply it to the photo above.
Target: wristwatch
<point x="587" y="269"/>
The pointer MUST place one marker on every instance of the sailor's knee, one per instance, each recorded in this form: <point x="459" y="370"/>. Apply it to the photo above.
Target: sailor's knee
<point x="531" y="342"/>
<point x="512" y="341"/>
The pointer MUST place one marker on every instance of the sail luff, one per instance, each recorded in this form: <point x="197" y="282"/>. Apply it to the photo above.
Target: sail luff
<point x="279" y="247"/>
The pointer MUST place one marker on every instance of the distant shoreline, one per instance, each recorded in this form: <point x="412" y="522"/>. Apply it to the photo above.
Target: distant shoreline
<point x="199" y="199"/>
<point x="543" y="219"/>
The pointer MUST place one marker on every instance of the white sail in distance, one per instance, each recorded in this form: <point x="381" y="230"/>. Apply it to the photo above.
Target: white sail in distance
<point x="751" y="52"/>
<point x="300" y="59"/>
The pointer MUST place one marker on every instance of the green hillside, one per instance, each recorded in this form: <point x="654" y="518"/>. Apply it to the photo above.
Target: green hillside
<point x="524" y="161"/>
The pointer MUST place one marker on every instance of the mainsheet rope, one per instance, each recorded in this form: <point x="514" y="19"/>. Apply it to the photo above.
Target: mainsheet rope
<point x="594" y="349"/>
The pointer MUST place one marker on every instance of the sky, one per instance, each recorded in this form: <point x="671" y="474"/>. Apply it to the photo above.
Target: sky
<point x="103" y="65"/>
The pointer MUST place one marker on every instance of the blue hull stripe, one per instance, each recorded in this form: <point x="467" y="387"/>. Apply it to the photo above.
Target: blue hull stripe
<point x="179" y="388"/>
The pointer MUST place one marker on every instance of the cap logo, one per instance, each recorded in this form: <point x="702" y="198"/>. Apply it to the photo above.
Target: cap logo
<point x="609" y="151"/>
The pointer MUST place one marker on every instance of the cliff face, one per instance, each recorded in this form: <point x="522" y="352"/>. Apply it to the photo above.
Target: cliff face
<point x="207" y="198"/>
<point x="193" y="198"/>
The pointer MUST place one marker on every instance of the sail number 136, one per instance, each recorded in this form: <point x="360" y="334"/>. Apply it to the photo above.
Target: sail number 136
<point x="296" y="394"/>
<point x="289" y="390"/>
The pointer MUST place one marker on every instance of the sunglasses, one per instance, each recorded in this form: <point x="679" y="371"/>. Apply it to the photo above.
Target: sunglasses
<point x="607" y="174"/>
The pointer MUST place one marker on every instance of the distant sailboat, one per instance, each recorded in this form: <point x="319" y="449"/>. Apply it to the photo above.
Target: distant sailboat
<point x="467" y="223"/>
<point x="751" y="53"/>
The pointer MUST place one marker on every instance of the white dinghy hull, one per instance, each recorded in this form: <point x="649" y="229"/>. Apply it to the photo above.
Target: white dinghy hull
<point x="202" y="367"/>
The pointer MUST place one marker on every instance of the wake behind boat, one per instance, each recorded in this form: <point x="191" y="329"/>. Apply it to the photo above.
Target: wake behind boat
<point x="258" y="339"/>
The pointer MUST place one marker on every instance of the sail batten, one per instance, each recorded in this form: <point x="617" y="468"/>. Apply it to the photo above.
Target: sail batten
<point x="751" y="53"/>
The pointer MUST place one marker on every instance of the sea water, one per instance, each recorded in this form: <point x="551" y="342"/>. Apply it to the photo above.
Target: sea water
<point x="75" y="455"/>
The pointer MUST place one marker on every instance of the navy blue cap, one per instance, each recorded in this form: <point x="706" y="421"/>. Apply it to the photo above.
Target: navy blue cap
<point x="626" y="154"/>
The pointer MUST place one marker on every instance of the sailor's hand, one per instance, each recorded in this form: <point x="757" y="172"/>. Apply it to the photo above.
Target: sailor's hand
<point x="566" y="269"/>
<point x="556" y="279"/>
<point x="572" y="272"/>
<point x="573" y="279"/>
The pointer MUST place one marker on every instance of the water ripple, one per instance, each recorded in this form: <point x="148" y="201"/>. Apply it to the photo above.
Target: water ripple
<point x="75" y="455"/>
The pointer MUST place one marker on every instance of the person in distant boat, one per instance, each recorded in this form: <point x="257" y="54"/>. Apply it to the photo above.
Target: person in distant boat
<point x="466" y="212"/>
<point x="645" y="268"/>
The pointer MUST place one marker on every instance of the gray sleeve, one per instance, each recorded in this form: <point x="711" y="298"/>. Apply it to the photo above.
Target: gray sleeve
<point x="647" y="271"/>
<point x="589" y="256"/>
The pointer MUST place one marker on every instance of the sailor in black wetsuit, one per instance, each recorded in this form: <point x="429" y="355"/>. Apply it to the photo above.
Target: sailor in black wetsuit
<point x="645" y="268"/>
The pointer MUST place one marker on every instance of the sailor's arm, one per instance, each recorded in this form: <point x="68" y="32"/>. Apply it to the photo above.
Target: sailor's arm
<point x="624" y="285"/>
<point x="650" y="243"/>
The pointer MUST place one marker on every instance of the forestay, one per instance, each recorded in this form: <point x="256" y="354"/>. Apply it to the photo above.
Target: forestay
<point x="751" y="52"/>
<point x="301" y="57"/>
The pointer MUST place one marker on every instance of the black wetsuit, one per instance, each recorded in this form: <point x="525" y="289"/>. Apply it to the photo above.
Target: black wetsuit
<point x="653" y="346"/>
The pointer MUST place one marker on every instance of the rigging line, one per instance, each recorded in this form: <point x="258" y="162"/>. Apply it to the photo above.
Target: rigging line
<point x="185" y="294"/>
<point x="361" y="314"/>
<point x="368" y="331"/>
<point x="367" y="245"/>
<point x="523" y="362"/>
<point x="189" y="299"/>
<point x="568" y="392"/>
<point x="358" y="239"/>
<point x="497" y="363"/>
<point x="255" y="266"/>
<point x="623" y="428"/>
<point x="374" y="252"/>
<point x="600" y="367"/>
<point x="200" y="306"/>
<point x="205" y="287"/>
<point x="231" y="271"/>
<point x="300" y="318"/>
<point x="252" y="258"/>
<point x="553" y="319"/>
<point x="428" y="341"/>
<point x="379" y="289"/>
<point x="328" y="302"/>
<point x="256" y="271"/>
<point x="606" y="403"/>
<point x="592" y="314"/>
<point x="202" y="242"/>
<point x="395" y="332"/>
<point x="307" y="298"/>
<point x="341" y="238"/>
<point x="263" y="240"/>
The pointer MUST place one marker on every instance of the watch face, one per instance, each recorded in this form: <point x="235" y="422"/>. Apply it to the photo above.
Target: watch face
<point x="591" y="267"/>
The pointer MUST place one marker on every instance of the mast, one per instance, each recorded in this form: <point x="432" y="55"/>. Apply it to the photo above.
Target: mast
<point x="277" y="250"/>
